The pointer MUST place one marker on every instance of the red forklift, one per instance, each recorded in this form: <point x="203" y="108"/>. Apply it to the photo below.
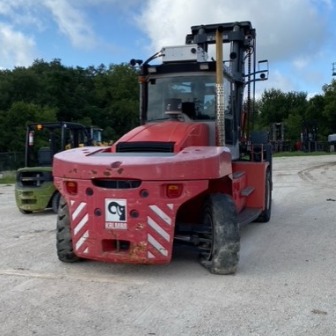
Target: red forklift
<point x="193" y="172"/>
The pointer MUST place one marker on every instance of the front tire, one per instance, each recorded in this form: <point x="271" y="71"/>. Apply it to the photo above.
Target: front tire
<point x="222" y="239"/>
<point x="265" y="216"/>
<point x="25" y="212"/>
<point x="64" y="246"/>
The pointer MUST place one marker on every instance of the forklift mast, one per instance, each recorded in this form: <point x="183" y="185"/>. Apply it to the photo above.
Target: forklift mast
<point x="230" y="74"/>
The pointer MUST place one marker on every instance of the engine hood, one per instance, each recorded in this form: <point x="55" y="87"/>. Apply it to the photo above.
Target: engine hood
<point x="172" y="136"/>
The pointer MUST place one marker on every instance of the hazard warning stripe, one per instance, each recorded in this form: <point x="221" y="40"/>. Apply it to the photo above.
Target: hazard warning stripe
<point x="161" y="214"/>
<point x="81" y="224"/>
<point x="82" y="240"/>
<point x="78" y="210"/>
<point x="157" y="245"/>
<point x="158" y="229"/>
<point x="159" y="224"/>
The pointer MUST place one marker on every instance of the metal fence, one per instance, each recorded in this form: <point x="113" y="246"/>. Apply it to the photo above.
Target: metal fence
<point x="308" y="146"/>
<point x="11" y="161"/>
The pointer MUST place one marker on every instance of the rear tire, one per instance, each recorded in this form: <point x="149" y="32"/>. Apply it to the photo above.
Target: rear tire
<point x="265" y="216"/>
<point x="55" y="201"/>
<point x="63" y="238"/>
<point x="222" y="239"/>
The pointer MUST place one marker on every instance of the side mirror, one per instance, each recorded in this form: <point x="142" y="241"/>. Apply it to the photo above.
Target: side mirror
<point x="262" y="70"/>
<point x="260" y="74"/>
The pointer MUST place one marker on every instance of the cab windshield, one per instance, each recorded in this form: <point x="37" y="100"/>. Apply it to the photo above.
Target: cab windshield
<point x="197" y="94"/>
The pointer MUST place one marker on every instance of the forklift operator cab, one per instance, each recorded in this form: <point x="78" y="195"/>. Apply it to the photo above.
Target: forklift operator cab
<point x="189" y="98"/>
<point x="198" y="100"/>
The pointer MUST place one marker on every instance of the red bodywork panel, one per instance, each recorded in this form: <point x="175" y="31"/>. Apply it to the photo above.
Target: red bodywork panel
<point x="151" y="231"/>
<point x="147" y="226"/>
<point x="255" y="173"/>
<point x="182" y="133"/>
<point x="192" y="163"/>
<point x="122" y="211"/>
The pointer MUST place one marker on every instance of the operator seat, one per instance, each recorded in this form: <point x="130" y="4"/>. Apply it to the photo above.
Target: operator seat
<point x="44" y="156"/>
<point x="189" y="109"/>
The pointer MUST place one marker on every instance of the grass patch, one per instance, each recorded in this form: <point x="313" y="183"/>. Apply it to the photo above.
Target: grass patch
<point x="300" y="153"/>
<point x="7" y="177"/>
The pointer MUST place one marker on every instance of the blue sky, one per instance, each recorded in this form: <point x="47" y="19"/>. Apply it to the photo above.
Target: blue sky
<point x="298" y="37"/>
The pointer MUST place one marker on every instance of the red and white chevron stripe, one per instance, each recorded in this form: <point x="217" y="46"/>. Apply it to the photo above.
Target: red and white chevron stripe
<point x="80" y="218"/>
<point x="160" y="231"/>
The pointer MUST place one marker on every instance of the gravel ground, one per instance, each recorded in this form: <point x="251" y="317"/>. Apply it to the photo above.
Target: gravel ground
<point x="284" y="284"/>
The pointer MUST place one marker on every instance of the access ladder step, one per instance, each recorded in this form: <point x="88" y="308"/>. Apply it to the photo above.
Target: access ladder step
<point x="247" y="191"/>
<point x="248" y="215"/>
<point x="238" y="174"/>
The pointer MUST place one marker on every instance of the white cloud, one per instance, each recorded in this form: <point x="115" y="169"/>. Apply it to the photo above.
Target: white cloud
<point x="24" y="21"/>
<point x="292" y="34"/>
<point x="5" y="7"/>
<point x="125" y="4"/>
<point x="280" y="79"/>
<point x="21" y="13"/>
<point x="301" y="62"/>
<point x="285" y="28"/>
<point x="288" y="31"/>
<point x="17" y="49"/>
<point x="329" y="4"/>
<point x="72" y="23"/>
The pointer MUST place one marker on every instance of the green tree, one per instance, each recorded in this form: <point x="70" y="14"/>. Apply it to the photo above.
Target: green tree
<point x="272" y="107"/>
<point x="293" y="127"/>
<point x="15" y="120"/>
<point x="329" y="109"/>
<point x="117" y="92"/>
<point x="289" y="107"/>
<point x="314" y="116"/>
<point x="106" y="97"/>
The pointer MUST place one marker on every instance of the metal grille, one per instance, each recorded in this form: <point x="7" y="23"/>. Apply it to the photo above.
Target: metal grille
<point x="11" y="160"/>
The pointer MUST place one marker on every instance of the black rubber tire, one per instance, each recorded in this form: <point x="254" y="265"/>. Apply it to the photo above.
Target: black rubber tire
<point x="265" y="216"/>
<point x="64" y="245"/>
<point x="55" y="202"/>
<point x="25" y="212"/>
<point x="220" y="219"/>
